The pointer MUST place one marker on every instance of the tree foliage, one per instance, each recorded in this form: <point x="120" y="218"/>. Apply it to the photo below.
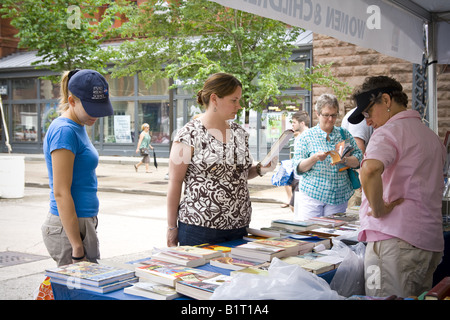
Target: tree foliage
<point x="189" y="40"/>
<point x="65" y="33"/>
<point x="179" y="39"/>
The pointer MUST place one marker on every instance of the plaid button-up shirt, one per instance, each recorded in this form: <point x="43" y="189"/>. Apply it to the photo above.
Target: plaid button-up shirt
<point x="323" y="181"/>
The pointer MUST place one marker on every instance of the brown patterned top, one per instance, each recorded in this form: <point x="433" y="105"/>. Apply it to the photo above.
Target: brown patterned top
<point x="216" y="193"/>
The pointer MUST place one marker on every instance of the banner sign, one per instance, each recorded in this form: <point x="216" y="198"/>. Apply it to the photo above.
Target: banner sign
<point x="372" y="24"/>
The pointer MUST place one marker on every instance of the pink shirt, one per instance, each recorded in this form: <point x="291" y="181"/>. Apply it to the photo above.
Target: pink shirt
<point x="413" y="158"/>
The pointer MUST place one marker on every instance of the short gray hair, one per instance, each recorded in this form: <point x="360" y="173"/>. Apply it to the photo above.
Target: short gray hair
<point x="326" y="99"/>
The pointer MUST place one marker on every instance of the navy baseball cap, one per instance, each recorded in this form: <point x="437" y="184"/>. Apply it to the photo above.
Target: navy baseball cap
<point x="92" y="89"/>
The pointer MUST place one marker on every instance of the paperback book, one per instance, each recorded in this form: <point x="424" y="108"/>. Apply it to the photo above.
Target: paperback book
<point x="88" y="273"/>
<point x="152" y="290"/>
<point x="178" y="258"/>
<point x="169" y="273"/>
<point x="295" y="225"/>
<point x="73" y="283"/>
<point x="196" y="251"/>
<point x="201" y="290"/>
<point x="232" y="263"/>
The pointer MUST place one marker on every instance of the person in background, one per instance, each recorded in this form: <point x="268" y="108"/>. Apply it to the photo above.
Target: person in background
<point x="143" y="147"/>
<point x="323" y="189"/>
<point x="361" y="132"/>
<point x="210" y="154"/>
<point x="402" y="181"/>
<point x="69" y="231"/>
<point x="300" y="123"/>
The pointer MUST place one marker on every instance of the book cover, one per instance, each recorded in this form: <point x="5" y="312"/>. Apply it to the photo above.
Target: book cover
<point x="277" y="146"/>
<point x="196" y="251"/>
<point x="201" y="290"/>
<point x="89" y="273"/>
<point x="257" y="252"/>
<point x="297" y="225"/>
<point x="327" y="222"/>
<point x="342" y="149"/>
<point x="169" y="273"/>
<point x="178" y="258"/>
<point x="232" y="263"/>
<point x="152" y="290"/>
<point x="214" y="247"/>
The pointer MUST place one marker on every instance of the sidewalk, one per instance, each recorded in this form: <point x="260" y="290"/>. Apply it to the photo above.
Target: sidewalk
<point x="117" y="174"/>
<point x="132" y="219"/>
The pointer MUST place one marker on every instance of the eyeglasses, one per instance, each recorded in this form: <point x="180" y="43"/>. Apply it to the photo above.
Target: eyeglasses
<point x="365" y="113"/>
<point x="334" y="116"/>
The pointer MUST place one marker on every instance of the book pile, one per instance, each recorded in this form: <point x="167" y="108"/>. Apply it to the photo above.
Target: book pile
<point x="266" y="249"/>
<point x="316" y="263"/>
<point x="92" y="277"/>
<point x="189" y="256"/>
<point x="152" y="290"/>
<point x="201" y="290"/>
<point x="317" y="229"/>
<point x="171" y="272"/>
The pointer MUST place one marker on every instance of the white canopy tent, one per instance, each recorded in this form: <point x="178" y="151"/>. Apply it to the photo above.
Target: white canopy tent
<point x="405" y="29"/>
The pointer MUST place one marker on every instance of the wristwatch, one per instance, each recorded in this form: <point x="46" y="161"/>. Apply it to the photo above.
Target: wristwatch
<point x="258" y="169"/>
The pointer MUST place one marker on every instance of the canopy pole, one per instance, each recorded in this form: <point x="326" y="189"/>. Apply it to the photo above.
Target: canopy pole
<point x="431" y="92"/>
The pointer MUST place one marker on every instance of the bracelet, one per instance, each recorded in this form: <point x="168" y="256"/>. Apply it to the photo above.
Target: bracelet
<point x="80" y="258"/>
<point x="171" y="228"/>
<point x="258" y="169"/>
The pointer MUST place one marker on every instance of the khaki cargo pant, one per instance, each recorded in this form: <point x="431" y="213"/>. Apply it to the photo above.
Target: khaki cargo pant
<point x="57" y="242"/>
<point x="394" y="267"/>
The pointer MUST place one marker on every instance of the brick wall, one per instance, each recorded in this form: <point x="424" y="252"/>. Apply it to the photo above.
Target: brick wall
<point x="353" y="64"/>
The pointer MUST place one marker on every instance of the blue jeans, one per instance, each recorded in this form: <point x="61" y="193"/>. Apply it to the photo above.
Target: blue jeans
<point x="191" y="235"/>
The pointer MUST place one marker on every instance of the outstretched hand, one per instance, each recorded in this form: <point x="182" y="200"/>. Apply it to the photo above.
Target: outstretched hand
<point x="270" y="167"/>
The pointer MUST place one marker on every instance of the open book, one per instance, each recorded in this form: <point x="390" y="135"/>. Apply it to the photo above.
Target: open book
<point x="342" y="149"/>
<point x="277" y="146"/>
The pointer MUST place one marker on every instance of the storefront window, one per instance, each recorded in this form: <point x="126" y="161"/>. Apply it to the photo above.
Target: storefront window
<point x="156" y="114"/>
<point x="159" y="88"/>
<point x="49" y="90"/>
<point x="120" y="87"/>
<point x="24" y="88"/>
<point x="277" y="118"/>
<point x="49" y="112"/>
<point x="24" y="121"/>
<point x="119" y="128"/>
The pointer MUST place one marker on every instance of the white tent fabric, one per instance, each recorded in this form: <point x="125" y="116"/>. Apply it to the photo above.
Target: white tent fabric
<point x="393" y="27"/>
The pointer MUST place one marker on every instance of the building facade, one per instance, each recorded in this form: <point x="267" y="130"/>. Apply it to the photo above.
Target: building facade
<point x="30" y="103"/>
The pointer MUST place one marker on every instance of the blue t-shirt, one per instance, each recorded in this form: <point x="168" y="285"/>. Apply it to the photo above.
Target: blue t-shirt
<point x="64" y="133"/>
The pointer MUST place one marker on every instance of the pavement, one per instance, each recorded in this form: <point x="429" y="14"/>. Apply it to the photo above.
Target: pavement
<point x="132" y="218"/>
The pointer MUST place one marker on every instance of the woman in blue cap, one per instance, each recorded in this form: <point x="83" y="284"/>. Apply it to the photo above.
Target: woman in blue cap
<point x="69" y="231"/>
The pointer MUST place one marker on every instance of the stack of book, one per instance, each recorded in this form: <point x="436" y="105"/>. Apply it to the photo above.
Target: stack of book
<point x="201" y="290"/>
<point x="188" y="256"/>
<point x="168" y="273"/>
<point x="152" y="290"/>
<point x="171" y="277"/>
<point x="266" y="249"/>
<point x="92" y="277"/>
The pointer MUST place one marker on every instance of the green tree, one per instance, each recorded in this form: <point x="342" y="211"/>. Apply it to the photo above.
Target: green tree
<point x="189" y="40"/>
<point x="64" y="33"/>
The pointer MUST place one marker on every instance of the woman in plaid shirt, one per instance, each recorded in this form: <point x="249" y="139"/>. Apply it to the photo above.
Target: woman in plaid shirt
<point x="323" y="189"/>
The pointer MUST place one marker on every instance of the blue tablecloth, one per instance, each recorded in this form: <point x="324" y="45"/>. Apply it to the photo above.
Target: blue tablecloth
<point x="62" y="292"/>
